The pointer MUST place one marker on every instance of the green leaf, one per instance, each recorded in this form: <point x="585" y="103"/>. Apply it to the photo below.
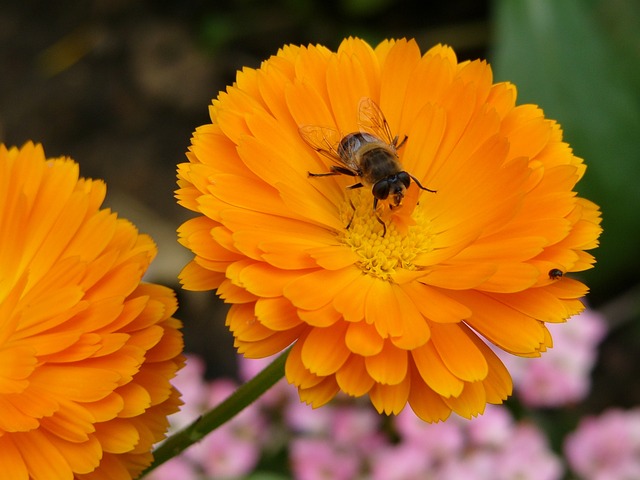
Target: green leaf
<point x="580" y="61"/>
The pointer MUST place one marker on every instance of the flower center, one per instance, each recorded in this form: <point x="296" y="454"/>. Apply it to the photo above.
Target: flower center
<point x="382" y="256"/>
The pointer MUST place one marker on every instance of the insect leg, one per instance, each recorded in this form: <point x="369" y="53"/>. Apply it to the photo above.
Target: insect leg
<point x="335" y="170"/>
<point x="375" y="212"/>
<point x="420" y="185"/>
<point x="399" y="145"/>
<point x="355" y="185"/>
<point x="384" y="226"/>
<point x="353" y="215"/>
<point x="328" y="174"/>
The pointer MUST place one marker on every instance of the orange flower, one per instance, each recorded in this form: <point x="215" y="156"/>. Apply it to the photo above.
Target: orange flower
<point x="86" y="350"/>
<point x="396" y="303"/>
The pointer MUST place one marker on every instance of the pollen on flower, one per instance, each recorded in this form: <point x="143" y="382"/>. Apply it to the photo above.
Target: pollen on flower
<point x="381" y="256"/>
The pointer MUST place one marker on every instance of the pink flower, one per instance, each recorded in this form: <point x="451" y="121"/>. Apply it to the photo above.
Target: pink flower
<point x="490" y="447"/>
<point x="561" y="375"/>
<point x="554" y="381"/>
<point x="356" y="427"/>
<point x="588" y="328"/>
<point x="474" y="465"/>
<point x="176" y="468"/>
<point x="526" y="456"/>
<point x="606" y="447"/>
<point x="319" y="459"/>
<point x="437" y="440"/>
<point x="234" y="449"/>
<point x="493" y="429"/>
<point x="400" y="462"/>
<point x="250" y="367"/>
<point x="303" y="419"/>
<point x="190" y="383"/>
<point x="224" y="455"/>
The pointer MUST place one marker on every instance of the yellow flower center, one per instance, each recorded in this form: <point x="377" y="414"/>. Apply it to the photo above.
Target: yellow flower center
<point x="382" y="256"/>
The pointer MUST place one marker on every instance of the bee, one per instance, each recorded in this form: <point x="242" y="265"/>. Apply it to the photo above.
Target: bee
<point x="555" y="273"/>
<point x="371" y="155"/>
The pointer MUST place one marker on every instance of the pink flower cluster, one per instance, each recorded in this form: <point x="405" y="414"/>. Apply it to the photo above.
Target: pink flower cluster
<point x="490" y="447"/>
<point x="348" y="440"/>
<point x="606" y="447"/>
<point x="561" y="376"/>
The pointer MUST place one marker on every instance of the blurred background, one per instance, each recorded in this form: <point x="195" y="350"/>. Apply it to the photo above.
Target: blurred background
<point x="119" y="85"/>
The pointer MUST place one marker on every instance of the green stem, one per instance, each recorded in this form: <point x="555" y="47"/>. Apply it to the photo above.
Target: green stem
<point x="241" y="398"/>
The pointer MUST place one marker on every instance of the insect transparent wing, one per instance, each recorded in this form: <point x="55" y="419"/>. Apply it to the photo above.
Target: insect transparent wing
<point x="372" y="120"/>
<point x="323" y="140"/>
<point x="326" y="140"/>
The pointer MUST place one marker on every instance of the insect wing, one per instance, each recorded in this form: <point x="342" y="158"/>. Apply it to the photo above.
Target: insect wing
<point x="323" y="140"/>
<point x="326" y="140"/>
<point x="372" y="120"/>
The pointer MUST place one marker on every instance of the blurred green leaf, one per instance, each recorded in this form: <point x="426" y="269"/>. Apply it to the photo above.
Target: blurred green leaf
<point x="364" y="7"/>
<point x="580" y="61"/>
<point x="266" y="476"/>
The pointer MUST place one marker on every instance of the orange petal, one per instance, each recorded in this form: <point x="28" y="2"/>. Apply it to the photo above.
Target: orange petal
<point x="389" y="367"/>
<point x="319" y="359"/>
<point x="497" y="385"/>
<point x="471" y="402"/>
<point x="415" y="329"/>
<point x="363" y="339"/>
<point x="509" y="329"/>
<point x="304" y="292"/>
<point x="458" y="352"/>
<point x="295" y="371"/>
<point x="353" y="378"/>
<point x="435" y="304"/>
<point x="434" y="372"/>
<point x="11" y="462"/>
<point x="425" y="403"/>
<point x="321" y="393"/>
<point x="277" y="314"/>
<point x="322" y="317"/>
<point x="351" y="300"/>
<point x="390" y="399"/>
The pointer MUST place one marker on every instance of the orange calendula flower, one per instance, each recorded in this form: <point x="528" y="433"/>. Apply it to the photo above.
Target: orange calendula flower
<point x="399" y="303"/>
<point x="86" y="350"/>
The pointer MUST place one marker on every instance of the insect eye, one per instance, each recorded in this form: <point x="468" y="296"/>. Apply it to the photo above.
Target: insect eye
<point x="404" y="178"/>
<point x="381" y="189"/>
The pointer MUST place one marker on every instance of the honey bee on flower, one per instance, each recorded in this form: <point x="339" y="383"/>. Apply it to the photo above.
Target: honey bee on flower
<point x="370" y="154"/>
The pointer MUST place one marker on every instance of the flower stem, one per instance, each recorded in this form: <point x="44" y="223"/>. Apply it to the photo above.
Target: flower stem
<point x="202" y="426"/>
